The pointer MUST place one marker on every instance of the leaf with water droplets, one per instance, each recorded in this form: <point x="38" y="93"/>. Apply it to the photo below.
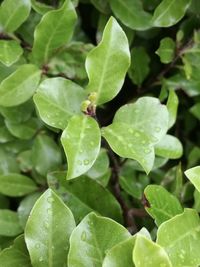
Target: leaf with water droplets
<point x="22" y="84"/>
<point x="91" y="240"/>
<point x="107" y="64"/>
<point x="180" y="237"/>
<point x="47" y="231"/>
<point x="148" y="253"/>
<point x="162" y="204"/>
<point x="16" y="255"/>
<point x="81" y="142"/>
<point x="56" y="107"/>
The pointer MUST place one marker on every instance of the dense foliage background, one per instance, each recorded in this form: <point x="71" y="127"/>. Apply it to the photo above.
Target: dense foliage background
<point x="99" y="133"/>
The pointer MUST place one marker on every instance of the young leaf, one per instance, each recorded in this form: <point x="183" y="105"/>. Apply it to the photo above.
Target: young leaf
<point x="60" y="26"/>
<point x="148" y="253"/>
<point x="46" y="155"/>
<point x="16" y="255"/>
<point x="9" y="223"/>
<point x="14" y="184"/>
<point x="107" y="64"/>
<point x="10" y="52"/>
<point x="13" y="14"/>
<point x="163" y="205"/>
<point x="180" y="237"/>
<point x="139" y="57"/>
<point x="97" y="199"/>
<point x="169" y="147"/>
<point x="193" y="175"/>
<point x="22" y="84"/>
<point x="120" y="255"/>
<point x="131" y="13"/>
<point x="166" y="50"/>
<point x="172" y="106"/>
<point x="48" y="230"/>
<point x="81" y="142"/>
<point x="169" y="12"/>
<point x="57" y="109"/>
<point x="93" y="237"/>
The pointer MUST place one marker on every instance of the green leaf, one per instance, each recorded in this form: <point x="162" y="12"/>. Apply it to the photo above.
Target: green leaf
<point x="10" y="52"/>
<point x="25" y="130"/>
<point x="93" y="237"/>
<point x="73" y="193"/>
<point x="60" y="24"/>
<point x="148" y="253"/>
<point x="169" y="147"/>
<point x="172" y="106"/>
<point x="5" y="135"/>
<point x="120" y="255"/>
<point x="48" y="230"/>
<point x="128" y="142"/>
<point x="13" y="14"/>
<point x="46" y="155"/>
<point x="102" y="6"/>
<point x="25" y="207"/>
<point x="8" y="162"/>
<point x="131" y="13"/>
<point x="9" y="223"/>
<point x="180" y="237"/>
<point x="57" y="109"/>
<point x="193" y="174"/>
<point x="147" y="115"/>
<point x="14" y="184"/>
<point x="169" y="12"/>
<point x="25" y="161"/>
<point x="81" y="142"/>
<point x="22" y="84"/>
<point x="16" y="255"/>
<point x="166" y="50"/>
<point x="163" y="205"/>
<point x="195" y="110"/>
<point x="139" y="57"/>
<point x="107" y="64"/>
<point x="40" y="8"/>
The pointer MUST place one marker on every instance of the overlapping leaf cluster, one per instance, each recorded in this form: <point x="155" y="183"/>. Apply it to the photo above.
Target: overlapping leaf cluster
<point x="91" y="138"/>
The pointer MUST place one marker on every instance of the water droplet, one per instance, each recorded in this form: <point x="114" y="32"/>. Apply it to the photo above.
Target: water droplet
<point x="50" y="200"/>
<point x="130" y="145"/>
<point x="147" y="150"/>
<point x="79" y="162"/>
<point x="81" y="150"/>
<point x="46" y="225"/>
<point x="136" y="110"/>
<point x="48" y="116"/>
<point x="130" y="131"/>
<point x="83" y="236"/>
<point x="154" y="139"/>
<point x="37" y="246"/>
<point x="157" y="129"/>
<point x="91" y="143"/>
<point x="49" y="211"/>
<point x="41" y="259"/>
<point x="90" y="223"/>
<point x="136" y="134"/>
<point x="86" y="162"/>
<point x="144" y="142"/>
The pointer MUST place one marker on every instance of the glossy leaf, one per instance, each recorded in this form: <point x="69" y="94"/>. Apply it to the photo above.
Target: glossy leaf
<point x="102" y="6"/>
<point x="139" y="57"/>
<point x="49" y="219"/>
<point x="81" y="142"/>
<point x="169" y="12"/>
<point x="8" y="163"/>
<point x="131" y="13"/>
<point x="16" y="255"/>
<point x="193" y="175"/>
<point x="56" y="107"/>
<point x="180" y="237"/>
<point x="166" y="50"/>
<point x="163" y="205"/>
<point x="172" y="106"/>
<point x="107" y="64"/>
<point x="22" y="84"/>
<point x="195" y="110"/>
<point x="10" y="52"/>
<point x="13" y="14"/>
<point x="60" y="24"/>
<point x="39" y="7"/>
<point x="147" y="115"/>
<point x="46" y="155"/>
<point x="128" y="142"/>
<point x="14" y="184"/>
<point x="120" y="255"/>
<point x="148" y="253"/>
<point x="169" y="147"/>
<point x="9" y="223"/>
<point x="93" y="237"/>
<point x="97" y="199"/>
